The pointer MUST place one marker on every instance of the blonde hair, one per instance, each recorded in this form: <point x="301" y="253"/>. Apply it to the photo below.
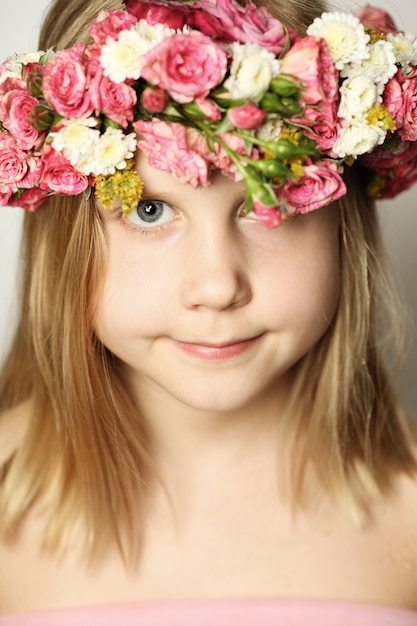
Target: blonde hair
<point x="85" y="451"/>
<point x="344" y="413"/>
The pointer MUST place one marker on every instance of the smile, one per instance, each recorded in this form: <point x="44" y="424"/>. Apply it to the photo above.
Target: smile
<point x="217" y="352"/>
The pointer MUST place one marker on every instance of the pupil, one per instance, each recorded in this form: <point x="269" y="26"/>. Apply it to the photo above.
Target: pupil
<point x="150" y="211"/>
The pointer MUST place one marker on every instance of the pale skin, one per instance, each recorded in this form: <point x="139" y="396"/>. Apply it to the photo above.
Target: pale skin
<point x="204" y="310"/>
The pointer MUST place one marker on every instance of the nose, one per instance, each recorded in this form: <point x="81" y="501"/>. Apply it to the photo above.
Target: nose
<point x="216" y="275"/>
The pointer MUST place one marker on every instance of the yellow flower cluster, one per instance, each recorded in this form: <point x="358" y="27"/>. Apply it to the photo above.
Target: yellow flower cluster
<point x="374" y="34"/>
<point x="379" y="116"/>
<point x="124" y="184"/>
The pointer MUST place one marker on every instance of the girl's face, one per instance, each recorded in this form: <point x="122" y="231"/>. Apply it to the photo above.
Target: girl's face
<point x="209" y="309"/>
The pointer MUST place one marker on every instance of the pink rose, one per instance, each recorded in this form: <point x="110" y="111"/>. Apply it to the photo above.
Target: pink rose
<point x="18" y="168"/>
<point x="309" y="60"/>
<point x="376" y="18"/>
<point x="400" y="99"/>
<point x="175" y="16"/>
<point x="154" y="100"/>
<point x="110" y="24"/>
<point x="394" y="186"/>
<point x="393" y="99"/>
<point x="167" y="148"/>
<point x="320" y="185"/>
<point x="58" y="174"/>
<point x="115" y="100"/>
<point x="15" y="109"/>
<point x="246" y="116"/>
<point x="382" y="159"/>
<point x="65" y="84"/>
<point x="322" y="125"/>
<point x="10" y="84"/>
<point x="397" y="170"/>
<point x="230" y="21"/>
<point x="187" y="66"/>
<point x="5" y="195"/>
<point x="30" y="200"/>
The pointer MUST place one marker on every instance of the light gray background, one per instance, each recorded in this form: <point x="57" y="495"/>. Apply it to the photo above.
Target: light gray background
<point x="19" y="25"/>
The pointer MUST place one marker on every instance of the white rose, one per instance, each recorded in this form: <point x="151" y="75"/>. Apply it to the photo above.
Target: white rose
<point x="251" y="71"/>
<point x="344" y="35"/>
<point x="358" y="95"/>
<point x="379" y="67"/>
<point x="358" y="138"/>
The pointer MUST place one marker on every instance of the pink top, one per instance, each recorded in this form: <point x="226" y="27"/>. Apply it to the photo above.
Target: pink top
<point x="222" y="613"/>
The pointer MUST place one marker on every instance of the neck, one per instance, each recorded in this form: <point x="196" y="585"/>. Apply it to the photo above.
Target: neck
<point x="188" y="439"/>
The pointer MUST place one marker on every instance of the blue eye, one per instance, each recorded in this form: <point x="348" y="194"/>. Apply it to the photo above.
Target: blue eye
<point x="150" y="213"/>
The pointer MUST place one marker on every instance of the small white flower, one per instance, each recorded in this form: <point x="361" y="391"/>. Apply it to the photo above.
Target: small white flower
<point x="11" y="70"/>
<point x="357" y="138"/>
<point x="344" y="35"/>
<point x="122" y="59"/>
<point x="75" y="139"/>
<point x="111" y="151"/>
<point x="379" y="67"/>
<point x="270" y="131"/>
<point x="150" y="36"/>
<point x="30" y="57"/>
<point x="84" y="164"/>
<point x="358" y="95"/>
<point x="14" y="64"/>
<point x="405" y="49"/>
<point x="251" y="71"/>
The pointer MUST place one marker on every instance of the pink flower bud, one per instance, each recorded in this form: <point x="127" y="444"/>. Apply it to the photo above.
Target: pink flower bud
<point x="246" y="116"/>
<point x="155" y="100"/>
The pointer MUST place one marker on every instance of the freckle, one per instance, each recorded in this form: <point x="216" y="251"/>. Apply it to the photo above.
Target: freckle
<point x="407" y="565"/>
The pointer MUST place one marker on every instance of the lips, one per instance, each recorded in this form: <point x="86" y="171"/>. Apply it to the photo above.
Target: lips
<point x="217" y="352"/>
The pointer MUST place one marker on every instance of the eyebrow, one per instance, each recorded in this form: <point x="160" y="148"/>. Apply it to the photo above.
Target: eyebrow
<point x="172" y="197"/>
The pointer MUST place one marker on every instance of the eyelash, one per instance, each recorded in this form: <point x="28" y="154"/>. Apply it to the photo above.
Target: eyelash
<point x="154" y="230"/>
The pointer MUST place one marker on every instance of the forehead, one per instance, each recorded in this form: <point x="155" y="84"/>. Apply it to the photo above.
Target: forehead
<point x="157" y="182"/>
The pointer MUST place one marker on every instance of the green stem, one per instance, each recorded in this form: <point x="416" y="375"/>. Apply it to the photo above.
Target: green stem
<point x="215" y="138"/>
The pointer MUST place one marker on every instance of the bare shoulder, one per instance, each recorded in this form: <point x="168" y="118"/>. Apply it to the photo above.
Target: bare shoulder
<point x="13" y="425"/>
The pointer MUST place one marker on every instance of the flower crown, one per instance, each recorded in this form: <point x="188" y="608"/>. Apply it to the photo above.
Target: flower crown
<point x="213" y="85"/>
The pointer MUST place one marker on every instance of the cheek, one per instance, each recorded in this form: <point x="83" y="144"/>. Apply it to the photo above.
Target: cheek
<point x="132" y="296"/>
<point x="305" y="283"/>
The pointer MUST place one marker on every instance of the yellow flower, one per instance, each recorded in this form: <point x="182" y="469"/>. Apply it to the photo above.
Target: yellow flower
<point x="297" y="167"/>
<point x="374" y="34"/>
<point x="125" y="184"/>
<point x="292" y="135"/>
<point x="381" y="117"/>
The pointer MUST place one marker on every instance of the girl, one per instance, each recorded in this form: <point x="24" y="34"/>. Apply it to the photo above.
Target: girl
<point x="196" y="424"/>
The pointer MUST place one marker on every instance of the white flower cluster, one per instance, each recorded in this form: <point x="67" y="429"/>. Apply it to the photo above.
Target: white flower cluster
<point x="121" y="59"/>
<point x="344" y="35"/>
<point x="251" y="71"/>
<point x="90" y="152"/>
<point x="271" y="130"/>
<point x="405" y="49"/>
<point x="366" y="67"/>
<point x="14" y="64"/>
